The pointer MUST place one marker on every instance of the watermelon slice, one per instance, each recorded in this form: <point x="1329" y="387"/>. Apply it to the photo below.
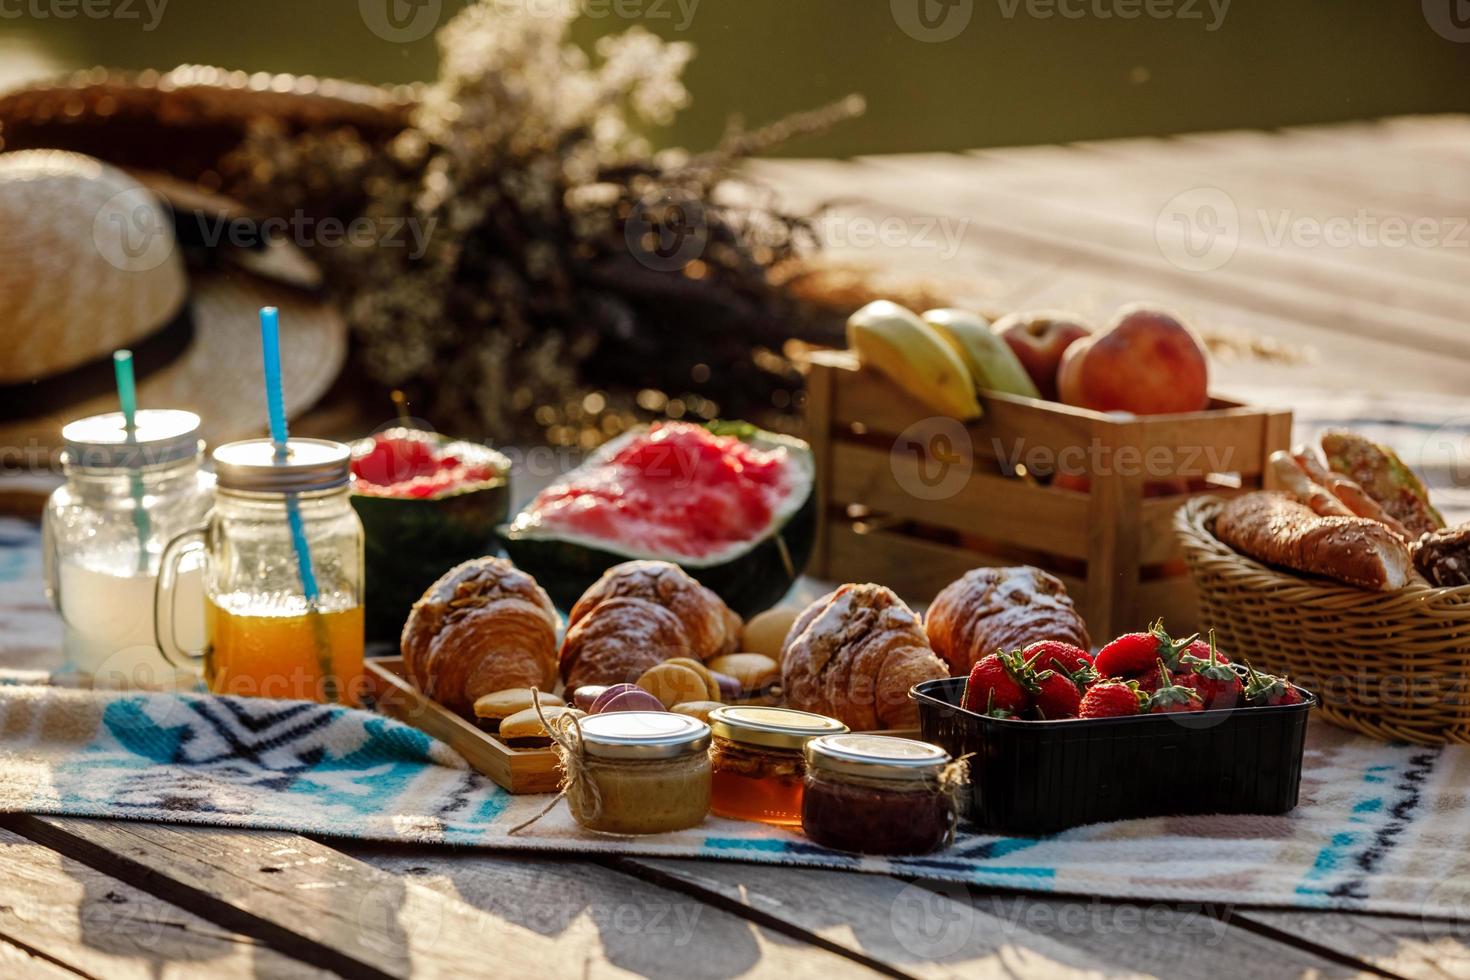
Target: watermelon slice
<point x="731" y="504"/>
<point x="426" y="503"/>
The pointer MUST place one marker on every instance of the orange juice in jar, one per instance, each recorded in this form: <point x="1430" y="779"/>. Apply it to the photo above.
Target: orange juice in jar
<point x="283" y="572"/>
<point x="284" y="651"/>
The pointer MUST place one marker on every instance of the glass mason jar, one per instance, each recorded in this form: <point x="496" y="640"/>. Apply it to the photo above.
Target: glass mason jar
<point x="875" y="794"/>
<point x="639" y="772"/>
<point x="757" y="764"/>
<point x="104" y="533"/>
<point x="283" y="576"/>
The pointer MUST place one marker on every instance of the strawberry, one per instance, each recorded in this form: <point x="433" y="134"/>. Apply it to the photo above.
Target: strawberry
<point x="1263" y="690"/>
<point x="1064" y="658"/>
<point x="1057" y="696"/>
<point x="1001" y="681"/>
<point x="1111" y="698"/>
<point x="1171" y="698"/>
<point x="1202" y="648"/>
<point x="1160" y="676"/>
<point x="1212" y="676"/>
<point x="1134" y="654"/>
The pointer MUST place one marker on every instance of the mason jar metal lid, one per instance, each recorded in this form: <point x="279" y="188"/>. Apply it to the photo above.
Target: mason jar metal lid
<point x="776" y="728"/>
<point x="643" y="735"/>
<point x="160" y="435"/>
<point x="876" y="757"/>
<point x="310" y="464"/>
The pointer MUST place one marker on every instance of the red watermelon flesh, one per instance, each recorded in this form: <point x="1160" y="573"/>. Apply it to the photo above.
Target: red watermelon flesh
<point x="676" y="490"/>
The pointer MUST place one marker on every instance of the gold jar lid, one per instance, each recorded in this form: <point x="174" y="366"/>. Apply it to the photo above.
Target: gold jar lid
<point x="876" y="757"/>
<point x="775" y="728"/>
<point x="642" y="735"/>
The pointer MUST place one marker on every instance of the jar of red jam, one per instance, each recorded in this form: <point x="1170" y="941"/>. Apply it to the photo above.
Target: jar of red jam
<point x="756" y="763"/>
<point x="873" y="794"/>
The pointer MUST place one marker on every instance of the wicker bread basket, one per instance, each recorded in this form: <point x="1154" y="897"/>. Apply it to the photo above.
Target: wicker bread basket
<point x="1394" y="665"/>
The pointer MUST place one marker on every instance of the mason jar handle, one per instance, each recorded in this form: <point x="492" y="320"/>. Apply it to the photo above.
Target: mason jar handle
<point x="49" y="561"/>
<point x="184" y="543"/>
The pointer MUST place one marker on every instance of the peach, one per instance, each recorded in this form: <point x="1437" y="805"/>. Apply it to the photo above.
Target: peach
<point x="1146" y="361"/>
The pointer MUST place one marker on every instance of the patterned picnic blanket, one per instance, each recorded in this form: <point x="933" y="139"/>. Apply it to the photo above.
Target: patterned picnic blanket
<point x="1383" y="828"/>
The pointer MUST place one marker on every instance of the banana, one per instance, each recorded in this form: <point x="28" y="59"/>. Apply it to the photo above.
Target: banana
<point x="992" y="363"/>
<point x="894" y="341"/>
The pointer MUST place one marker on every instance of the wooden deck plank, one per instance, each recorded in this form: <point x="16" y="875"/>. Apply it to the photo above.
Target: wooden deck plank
<point x="1405" y="946"/>
<point x="96" y="925"/>
<point x="596" y="915"/>
<point x="18" y="962"/>
<point x="936" y="930"/>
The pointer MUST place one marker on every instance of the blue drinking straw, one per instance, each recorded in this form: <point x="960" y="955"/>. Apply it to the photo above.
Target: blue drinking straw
<point x="127" y="396"/>
<point x="275" y="401"/>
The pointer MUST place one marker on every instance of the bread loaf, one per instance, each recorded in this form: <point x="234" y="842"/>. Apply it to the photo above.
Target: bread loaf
<point x="991" y="610"/>
<point x="1277" y="529"/>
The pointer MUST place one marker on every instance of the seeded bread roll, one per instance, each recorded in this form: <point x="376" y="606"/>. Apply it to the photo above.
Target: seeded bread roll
<point x="854" y="654"/>
<point x="485" y="626"/>
<point x="994" y="610"/>
<point x="1277" y="529"/>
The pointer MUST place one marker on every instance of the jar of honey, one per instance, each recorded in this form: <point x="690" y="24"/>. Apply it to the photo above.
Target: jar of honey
<point x="283" y="576"/>
<point x="756" y="761"/>
<point x="874" y="794"/>
<point x="637" y="772"/>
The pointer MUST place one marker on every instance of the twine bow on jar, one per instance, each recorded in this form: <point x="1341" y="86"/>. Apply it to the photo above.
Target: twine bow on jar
<point x="565" y="732"/>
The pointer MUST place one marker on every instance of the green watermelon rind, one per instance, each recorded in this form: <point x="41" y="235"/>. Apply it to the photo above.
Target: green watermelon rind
<point x="752" y="581"/>
<point x="410" y="541"/>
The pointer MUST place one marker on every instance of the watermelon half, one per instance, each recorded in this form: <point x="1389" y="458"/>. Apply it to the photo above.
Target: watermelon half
<point x="731" y="504"/>
<point x="426" y="503"/>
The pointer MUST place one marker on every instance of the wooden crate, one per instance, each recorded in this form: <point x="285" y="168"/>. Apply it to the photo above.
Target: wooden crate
<point x="516" y="770"/>
<point x="1112" y="543"/>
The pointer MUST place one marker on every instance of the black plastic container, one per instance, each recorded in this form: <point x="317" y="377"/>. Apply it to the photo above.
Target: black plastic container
<point x="1029" y="778"/>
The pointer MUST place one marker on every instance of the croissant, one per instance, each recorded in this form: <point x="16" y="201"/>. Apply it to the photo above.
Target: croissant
<point x="712" y="627"/>
<point x="853" y="655"/>
<point x="484" y="626"/>
<point x="993" y="609"/>
<point x="620" y="639"/>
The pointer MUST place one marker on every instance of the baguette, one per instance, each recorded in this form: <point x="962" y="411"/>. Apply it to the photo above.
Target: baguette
<point x="1279" y="530"/>
<point x="1299" y="484"/>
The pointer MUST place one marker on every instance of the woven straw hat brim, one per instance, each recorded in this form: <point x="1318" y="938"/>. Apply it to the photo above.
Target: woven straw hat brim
<point x="219" y="376"/>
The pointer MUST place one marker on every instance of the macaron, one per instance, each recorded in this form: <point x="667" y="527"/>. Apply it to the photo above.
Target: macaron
<point x="759" y="676"/>
<point x="696" y="709"/>
<point x="765" y="633"/>
<point x="502" y="704"/>
<point x="675" y="683"/>
<point x="524" y="729"/>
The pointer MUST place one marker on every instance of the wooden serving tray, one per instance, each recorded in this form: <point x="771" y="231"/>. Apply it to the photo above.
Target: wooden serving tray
<point x="516" y="770"/>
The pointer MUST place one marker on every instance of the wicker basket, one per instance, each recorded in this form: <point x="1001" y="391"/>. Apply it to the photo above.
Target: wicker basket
<point x="1394" y="665"/>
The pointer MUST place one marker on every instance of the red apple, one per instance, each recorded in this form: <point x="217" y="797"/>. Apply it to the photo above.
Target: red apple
<point x="1146" y="361"/>
<point x="1039" y="340"/>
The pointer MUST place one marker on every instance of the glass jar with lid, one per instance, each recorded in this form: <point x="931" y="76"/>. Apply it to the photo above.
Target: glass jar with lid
<point x="283" y="576"/>
<point x="876" y="794"/>
<point x="757" y="764"/>
<point x="104" y="531"/>
<point x="638" y="772"/>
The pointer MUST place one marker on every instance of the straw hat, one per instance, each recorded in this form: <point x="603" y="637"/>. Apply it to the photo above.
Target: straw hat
<point x="89" y="264"/>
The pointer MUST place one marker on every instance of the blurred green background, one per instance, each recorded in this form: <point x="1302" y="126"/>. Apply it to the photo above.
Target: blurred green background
<point x="1011" y="75"/>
